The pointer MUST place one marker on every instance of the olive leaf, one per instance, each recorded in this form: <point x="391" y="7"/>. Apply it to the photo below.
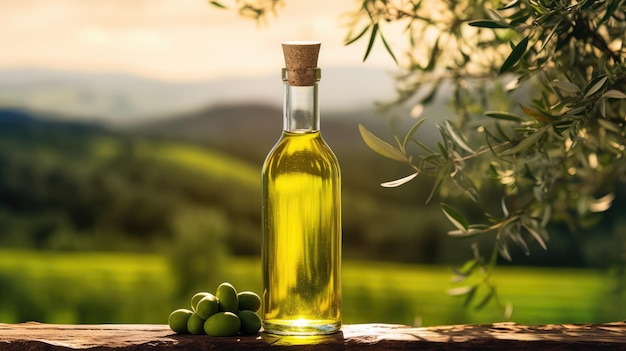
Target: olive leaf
<point x="412" y="131"/>
<point x="507" y="116"/>
<point x="526" y="143"/>
<point x="464" y="183"/>
<point x="218" y="4"/>
<point x="380" y="146"/>
<point x="470" y="296"/>
<point x="455" y="134"/>
<point x="455" y="217"/>
<point x="495" y="15"/>
<point x="511" y="4"/>
<point x="614" y="94"/>
<point x="485" y="300"/>
<point x="550" y="35"/>
<point x="357" y="37"/>
<point x="388" y="48"/>
<point x="470" y="232"/>
<point x="595" y="85"/>
<point x="517" y="238"/>
<point x="488" y="24"/>
<point x="466" y="269"/>
<point x="515" y="56"/>
<point x="613" y="6"/>
<point x="505" y="210"/>
<point x="503" y="247"/>
<point x="398" y="182"/>
<point x="432" y="61"/>
<point x="441" y="175"/>
<point x="370" y="45"/>
<point x="567" y="87"/>
<point x="538" y="237"/>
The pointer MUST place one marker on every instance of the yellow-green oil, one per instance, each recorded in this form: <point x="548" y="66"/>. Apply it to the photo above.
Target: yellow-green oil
<point x="301" y="237"/>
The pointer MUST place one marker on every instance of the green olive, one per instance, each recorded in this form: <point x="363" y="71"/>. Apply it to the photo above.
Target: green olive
<point x="227" y="296"/>
<point x="250" y="322"/>
<point x="196" y="298"/>
<point x="195" y="324"/>
<point x="249" y="300"/>
<point x="178" y="320"/>
<point x="222" y="324"/>
<point x="207" y="306"/>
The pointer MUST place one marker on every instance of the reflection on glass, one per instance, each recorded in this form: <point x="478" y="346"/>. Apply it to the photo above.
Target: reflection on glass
<point x="294" y="340"/>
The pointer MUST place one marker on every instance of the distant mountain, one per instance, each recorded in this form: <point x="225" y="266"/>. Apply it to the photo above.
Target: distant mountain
<point x="16" y="123"/>
<point x="122" y="99"/>
<point x="249" y="130"/>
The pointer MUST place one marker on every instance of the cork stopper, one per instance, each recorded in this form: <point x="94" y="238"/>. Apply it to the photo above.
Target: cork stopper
<point x="301" y="62"/>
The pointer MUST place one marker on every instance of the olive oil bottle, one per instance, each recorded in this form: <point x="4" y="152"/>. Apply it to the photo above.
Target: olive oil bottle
<point x="301" y="210"/>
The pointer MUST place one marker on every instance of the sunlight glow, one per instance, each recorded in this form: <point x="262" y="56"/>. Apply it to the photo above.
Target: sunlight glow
<point x="507" y="180"/>
<point x="568" y="144"/>
<point x="602" y="204"/>
<point x="593" y="161"/>
<point x="300" y="322"/>
<point x="417" y="110"/>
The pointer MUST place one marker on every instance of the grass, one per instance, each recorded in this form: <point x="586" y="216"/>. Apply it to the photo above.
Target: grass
<point x="538" y="296"/>
<point x="83" y="287"/>
<point x="139" y="288"/>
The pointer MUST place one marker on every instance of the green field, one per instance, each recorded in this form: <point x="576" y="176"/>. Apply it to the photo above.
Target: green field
<point x="139" y="288"/>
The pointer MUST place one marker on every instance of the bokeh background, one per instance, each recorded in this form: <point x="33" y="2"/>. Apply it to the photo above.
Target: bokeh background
<point x="132" y="134"/>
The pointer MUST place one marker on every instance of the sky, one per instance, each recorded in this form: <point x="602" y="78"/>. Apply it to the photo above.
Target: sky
<point x="172" y="40"/>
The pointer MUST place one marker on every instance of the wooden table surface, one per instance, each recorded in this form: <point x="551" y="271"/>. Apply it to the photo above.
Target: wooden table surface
<point x="500" y="336"/>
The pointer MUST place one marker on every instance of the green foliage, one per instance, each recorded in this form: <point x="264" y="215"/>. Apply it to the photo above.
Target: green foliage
<point x="557" y="160"/>
<point x="555" y="152"/>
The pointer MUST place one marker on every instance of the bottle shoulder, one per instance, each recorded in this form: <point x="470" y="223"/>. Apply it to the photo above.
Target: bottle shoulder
<point x="312" y="141"/>
<point x="295" y="148"/>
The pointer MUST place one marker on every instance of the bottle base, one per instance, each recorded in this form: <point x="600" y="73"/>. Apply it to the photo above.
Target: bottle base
<point x="301" y="327"/>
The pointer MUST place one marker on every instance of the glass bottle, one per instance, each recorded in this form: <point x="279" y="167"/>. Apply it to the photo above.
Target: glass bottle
<point x="301" y="211"/>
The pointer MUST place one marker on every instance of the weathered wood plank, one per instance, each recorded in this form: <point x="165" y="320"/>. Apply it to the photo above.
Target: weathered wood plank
<point x="140" y="337"/>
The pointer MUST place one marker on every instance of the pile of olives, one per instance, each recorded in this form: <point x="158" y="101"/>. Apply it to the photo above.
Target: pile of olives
<point x="227" y="313"/>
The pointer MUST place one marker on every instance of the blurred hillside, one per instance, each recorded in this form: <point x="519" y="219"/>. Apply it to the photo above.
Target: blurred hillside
<point x="75" y="186"/>
<point x="179" y="179"/>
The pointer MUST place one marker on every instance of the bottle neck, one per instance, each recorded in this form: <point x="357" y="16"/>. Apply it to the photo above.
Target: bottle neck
<point x="300" y="106"/>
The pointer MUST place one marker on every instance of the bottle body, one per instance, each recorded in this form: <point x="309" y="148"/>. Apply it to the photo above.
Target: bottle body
<point x="302" y="237"/>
